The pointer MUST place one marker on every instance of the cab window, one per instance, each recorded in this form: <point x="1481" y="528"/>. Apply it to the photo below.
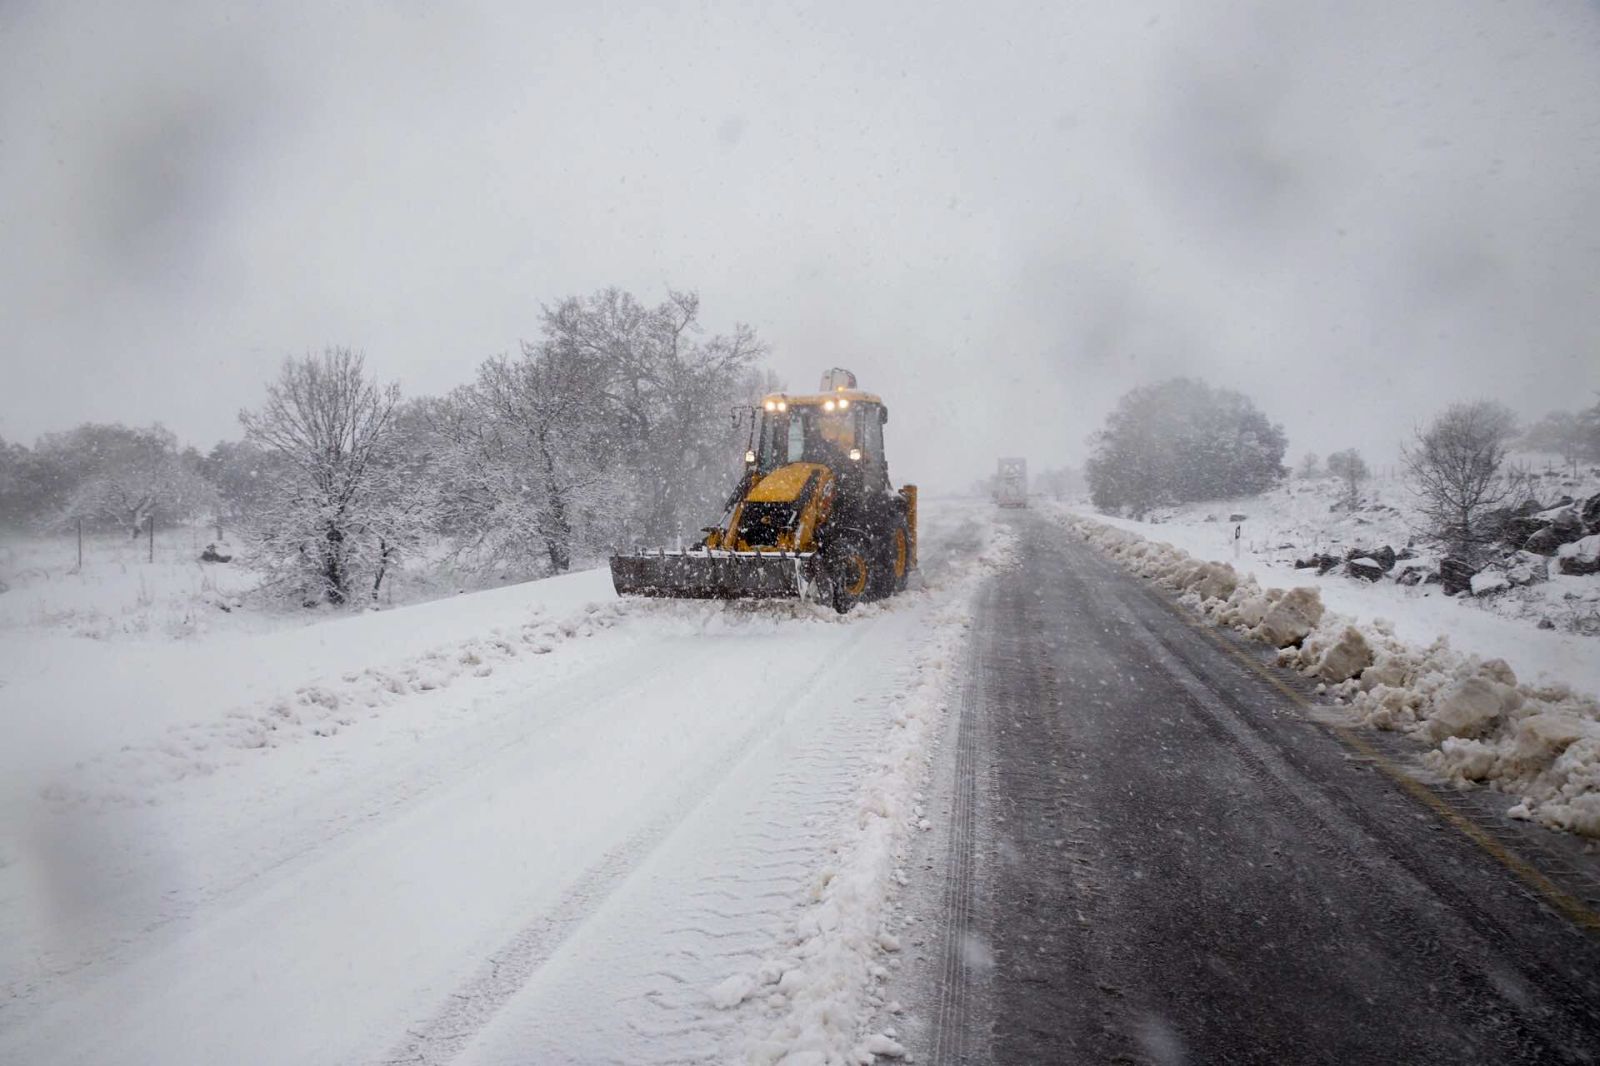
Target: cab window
<point x="872" y="436"/>
<point x="806" y="435"/>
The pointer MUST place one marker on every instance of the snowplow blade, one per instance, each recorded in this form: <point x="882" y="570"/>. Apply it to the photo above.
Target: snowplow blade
<point x="715" y="575"/>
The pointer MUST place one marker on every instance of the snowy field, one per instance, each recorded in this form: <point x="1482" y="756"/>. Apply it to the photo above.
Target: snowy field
<point x="119" y="592"/>
<point x="530" y="824"/>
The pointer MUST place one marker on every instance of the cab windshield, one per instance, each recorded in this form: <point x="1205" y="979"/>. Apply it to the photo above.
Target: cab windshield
<point x="806" y="434"/>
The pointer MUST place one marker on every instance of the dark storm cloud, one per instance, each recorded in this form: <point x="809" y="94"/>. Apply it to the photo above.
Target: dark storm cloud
<point x="1001" y="218"/>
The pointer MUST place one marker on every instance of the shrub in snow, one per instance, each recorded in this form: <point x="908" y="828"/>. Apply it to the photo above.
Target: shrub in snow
<point x="1351" y="469"/>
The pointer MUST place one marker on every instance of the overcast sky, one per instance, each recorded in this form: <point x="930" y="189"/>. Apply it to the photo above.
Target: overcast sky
<point x="1000" y="216"/>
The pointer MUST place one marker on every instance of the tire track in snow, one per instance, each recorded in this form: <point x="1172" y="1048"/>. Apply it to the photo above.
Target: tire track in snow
<point x="509" y="969"/>
<point x="953" y="989"/>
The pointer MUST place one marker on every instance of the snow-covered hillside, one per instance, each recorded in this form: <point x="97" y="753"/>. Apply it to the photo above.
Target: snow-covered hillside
<point x="1305" y="519"/>
<point x="630" y="830"/>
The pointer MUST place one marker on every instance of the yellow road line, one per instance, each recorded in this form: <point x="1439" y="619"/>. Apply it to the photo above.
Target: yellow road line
<point x="1575" y="909"/>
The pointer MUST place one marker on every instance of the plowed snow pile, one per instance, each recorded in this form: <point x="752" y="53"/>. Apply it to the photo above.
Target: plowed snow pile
<point x="1540" y="743"/>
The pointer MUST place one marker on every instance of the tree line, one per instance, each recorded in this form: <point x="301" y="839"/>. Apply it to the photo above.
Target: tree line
<point x="611" y="427"/>
<point x="1183" y="440"/>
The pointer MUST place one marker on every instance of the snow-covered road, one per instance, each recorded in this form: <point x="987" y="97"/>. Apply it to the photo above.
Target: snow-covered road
<point x="551" y="828"/>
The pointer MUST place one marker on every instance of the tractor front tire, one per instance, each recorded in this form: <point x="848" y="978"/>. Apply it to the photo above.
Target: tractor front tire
<point x="850" y="572"/>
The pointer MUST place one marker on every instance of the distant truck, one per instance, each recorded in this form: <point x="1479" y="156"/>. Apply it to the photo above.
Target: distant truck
<point x="1011" y="483"/>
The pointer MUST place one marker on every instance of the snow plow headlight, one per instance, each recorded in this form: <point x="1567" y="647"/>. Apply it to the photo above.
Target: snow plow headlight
<point x="771" y="405"/>
<point x="749" y="457"/>
<point x="855" y="455"/>
<point x="828" y="405"/>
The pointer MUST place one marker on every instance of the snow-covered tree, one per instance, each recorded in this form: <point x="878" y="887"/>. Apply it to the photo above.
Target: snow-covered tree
<point x="529" y="471"/>
<point x="122" y="477"/>
<point x="1455" y="470"/>
<point x="329" y="525"/>
<point x="1573" y="435"/>
<point x="1182" y="440"/>
<point x="16" y="507"/>
<point x="1351" y="469"/>
<point x="1058" y="482"/>
<point x="1310" y="466"/>
<point x="1588" y="434"/>
<point x="668" y="392"/>
<point x="242" y="473"/>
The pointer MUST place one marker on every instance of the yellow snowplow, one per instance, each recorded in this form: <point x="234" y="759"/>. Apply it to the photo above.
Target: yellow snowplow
<point x="813" y="517"/>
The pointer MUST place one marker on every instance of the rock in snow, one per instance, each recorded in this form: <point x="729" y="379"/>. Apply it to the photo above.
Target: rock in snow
<point x="1581" y="557"/>
<point x="1488" y="582"/>
<point x="1364" y="568"/>
<point x="1456" y="575"/>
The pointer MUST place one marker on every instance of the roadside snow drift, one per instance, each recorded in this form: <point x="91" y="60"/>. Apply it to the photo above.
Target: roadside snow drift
<point x="1539" y="742"/>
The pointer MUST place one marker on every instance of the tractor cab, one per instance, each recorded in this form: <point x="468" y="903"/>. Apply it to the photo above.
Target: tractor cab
<point x="841" y="430"/>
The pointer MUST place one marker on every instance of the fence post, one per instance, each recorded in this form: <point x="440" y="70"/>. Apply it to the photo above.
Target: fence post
<point x="80" y="545"/>
<point x="152" y="535"/>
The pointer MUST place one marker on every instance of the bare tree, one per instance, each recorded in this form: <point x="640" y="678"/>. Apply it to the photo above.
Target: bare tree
<point x="611" y="428"/>
<point x="328" y="513"/>
<point x="1350" y="468"/>
<point x="1455" y="469"/>
<point x="547" y="458"/>
<point x="1310" y="466"/>
<point x="667" y="390"/>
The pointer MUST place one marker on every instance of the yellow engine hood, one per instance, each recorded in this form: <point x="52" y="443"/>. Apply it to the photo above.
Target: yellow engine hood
<point x="784" y="484"/>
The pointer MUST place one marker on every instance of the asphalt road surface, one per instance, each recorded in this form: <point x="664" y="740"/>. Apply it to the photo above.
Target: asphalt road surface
<point x="1159" y="853"/>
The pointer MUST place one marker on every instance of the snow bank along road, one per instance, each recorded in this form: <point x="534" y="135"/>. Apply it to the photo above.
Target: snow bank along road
<point x="1157" y="853"/>
<point x="513" y="827"/>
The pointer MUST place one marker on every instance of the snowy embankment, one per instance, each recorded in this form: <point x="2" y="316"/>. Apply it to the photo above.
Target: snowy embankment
<point x="1377" y="556"/>
<point x="536" y="823"/>
<point x="1537" y="741"/>
<point x="97" y="723"/>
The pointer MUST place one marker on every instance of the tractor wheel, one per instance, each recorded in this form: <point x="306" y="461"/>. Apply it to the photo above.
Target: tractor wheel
<point x="892" y="553"/>
<point x="850" y="573"/>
